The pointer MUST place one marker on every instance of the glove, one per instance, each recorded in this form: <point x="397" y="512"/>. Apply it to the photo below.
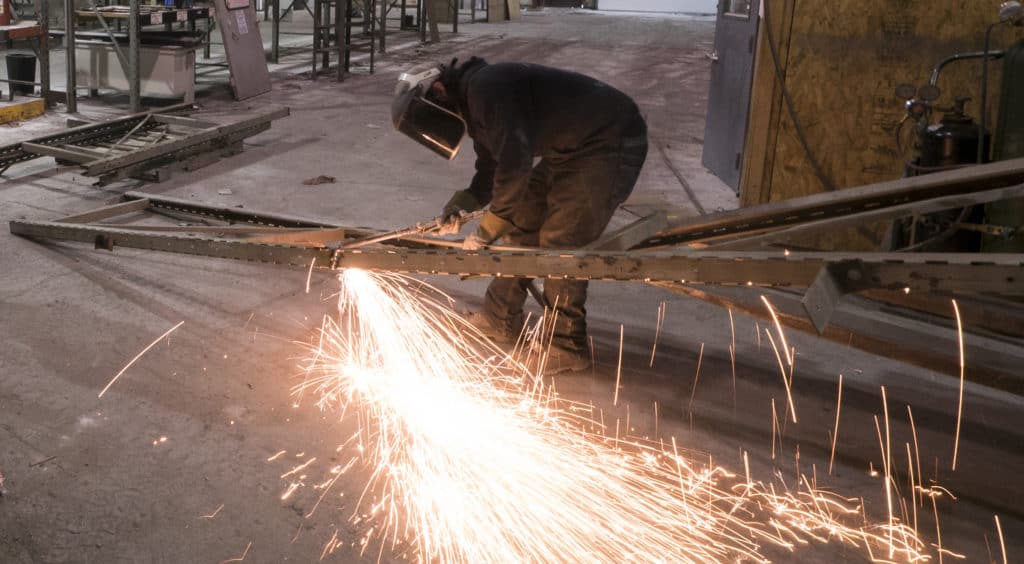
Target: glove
<point x="452" y="215"/>
<point x="491" y="229"/>
<point x="473" y="242"/>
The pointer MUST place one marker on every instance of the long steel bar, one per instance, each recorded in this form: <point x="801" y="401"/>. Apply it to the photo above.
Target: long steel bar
<point x="947" y="272"/>
<point x="867" y="216"/>
<point x="758" y="219"/>
<point x="228" y="213"/>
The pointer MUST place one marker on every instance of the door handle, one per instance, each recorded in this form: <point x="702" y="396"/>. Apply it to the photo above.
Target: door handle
<point x="712" y="56"/>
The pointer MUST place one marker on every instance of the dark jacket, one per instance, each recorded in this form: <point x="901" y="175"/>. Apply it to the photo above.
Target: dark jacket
<point x="518" y="111"/>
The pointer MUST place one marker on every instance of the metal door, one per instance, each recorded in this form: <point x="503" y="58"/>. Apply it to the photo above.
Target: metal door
<point x="732" y="68"/>
<point x="240" y="33"/>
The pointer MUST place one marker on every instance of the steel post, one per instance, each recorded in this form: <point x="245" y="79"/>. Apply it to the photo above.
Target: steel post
<point x="43" y="11"/>
<point x="383" y="25"/>
<point x="134" y="83"/>
<point x="339" y="21"/>
<point x="275" y="33"/>
<point x="69" y="46"/>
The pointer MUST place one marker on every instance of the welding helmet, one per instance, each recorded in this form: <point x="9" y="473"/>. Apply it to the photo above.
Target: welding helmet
<point x="426" y="122"/>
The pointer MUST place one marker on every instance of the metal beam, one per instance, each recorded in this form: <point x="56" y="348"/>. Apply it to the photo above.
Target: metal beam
<point x="106" y="212"/>
<point x="183" y="121"/>
<point x="929" y="272"/>
<point x="229" y="213"/>
<point x="61" y="153"/>
<point x="864" y="217"/>
<point x="777" y="215"/>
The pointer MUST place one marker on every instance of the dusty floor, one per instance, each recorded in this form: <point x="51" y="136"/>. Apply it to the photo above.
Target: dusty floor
<point x="93" y="480"/>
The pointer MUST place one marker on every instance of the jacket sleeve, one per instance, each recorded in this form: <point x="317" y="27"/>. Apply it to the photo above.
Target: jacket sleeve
<point x="482" y="186"/>
<point x="504" y="129"/>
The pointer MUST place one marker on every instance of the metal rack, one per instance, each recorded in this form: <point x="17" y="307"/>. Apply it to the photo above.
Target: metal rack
<point x="38" y="31"/>
<point x="135" y="18"/>
<point x="364" y="27"/>
<point x="145" y="145"/>
<point x="337" y="28"/>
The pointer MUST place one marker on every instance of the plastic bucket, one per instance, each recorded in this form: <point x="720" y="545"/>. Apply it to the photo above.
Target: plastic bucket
<point x="21" y="66"/>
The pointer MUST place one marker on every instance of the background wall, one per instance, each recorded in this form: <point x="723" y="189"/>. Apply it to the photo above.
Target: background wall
<point x="841" y="62"/>
<point x="688" y="6"/>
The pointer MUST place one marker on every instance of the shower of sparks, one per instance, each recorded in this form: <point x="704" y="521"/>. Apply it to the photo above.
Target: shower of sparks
<point x="1002" y="544"/>
<point x="790" y="407"/>
<point x="732" y="358"/>
<point x="137" y="357"/>
<point x="212" y="515"/>
<point x="835" y="430"/>
<point x="618" y="368"/>
<point x="960" y="402"/>
<point x="917" y="458"/>
<point x="696" y="377"/>
<point x="239" y="558"/>
<point x="309" y="275"/>
<point x="778" y="327"/>
<point x="473" y="459"/>
<point x="657" y="331"/>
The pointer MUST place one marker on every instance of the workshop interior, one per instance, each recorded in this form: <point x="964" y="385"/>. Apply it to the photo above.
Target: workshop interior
<point x="511" y="281"/>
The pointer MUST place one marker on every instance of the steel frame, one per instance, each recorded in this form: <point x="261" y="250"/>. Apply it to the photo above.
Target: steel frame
<point x="137" y="144"/>
<point x="639" y="252"/>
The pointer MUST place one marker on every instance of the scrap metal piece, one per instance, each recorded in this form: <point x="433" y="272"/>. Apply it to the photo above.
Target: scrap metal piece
<point x="632" y="234"/>
<point x="832" y="283"/>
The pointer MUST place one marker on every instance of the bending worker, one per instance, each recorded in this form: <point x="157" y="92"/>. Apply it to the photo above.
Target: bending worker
<point x="592" y="142"/>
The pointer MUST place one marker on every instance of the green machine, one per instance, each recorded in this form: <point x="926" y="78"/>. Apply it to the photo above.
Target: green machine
<point x="1008" y="144"/>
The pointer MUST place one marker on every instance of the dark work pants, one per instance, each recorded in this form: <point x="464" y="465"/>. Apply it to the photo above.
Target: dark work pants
<point x="568" y="205"/>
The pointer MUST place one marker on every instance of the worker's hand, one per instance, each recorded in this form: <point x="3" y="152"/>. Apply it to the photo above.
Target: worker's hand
<point x="453" y="214"/>
<point x="474" y="242"/>
<point x="451" y="220"/>
<point x="491" y="229"/>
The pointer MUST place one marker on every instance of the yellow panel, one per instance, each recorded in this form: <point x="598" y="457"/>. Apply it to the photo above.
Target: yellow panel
<point x="22" y="111"/>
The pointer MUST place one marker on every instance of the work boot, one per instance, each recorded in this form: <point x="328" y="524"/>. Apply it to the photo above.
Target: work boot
<point x="560" y="360"/>
<point x="501" y="333"/>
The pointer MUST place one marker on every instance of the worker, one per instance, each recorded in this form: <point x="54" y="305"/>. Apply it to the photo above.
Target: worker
<point x="591" y="142"/>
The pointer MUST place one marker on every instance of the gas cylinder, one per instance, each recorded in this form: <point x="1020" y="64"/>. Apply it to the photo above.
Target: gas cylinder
<point x="953" y="141"/>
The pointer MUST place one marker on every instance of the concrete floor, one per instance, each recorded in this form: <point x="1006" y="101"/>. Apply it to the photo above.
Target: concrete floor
<point x="90" y="480"/>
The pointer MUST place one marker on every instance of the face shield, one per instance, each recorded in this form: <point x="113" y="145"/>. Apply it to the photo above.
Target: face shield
<point x="427" y="123"/>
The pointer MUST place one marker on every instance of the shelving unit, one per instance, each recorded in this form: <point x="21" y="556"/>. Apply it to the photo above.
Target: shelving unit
<point x="37" y="33"/>
<point x="134" y="17"/>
